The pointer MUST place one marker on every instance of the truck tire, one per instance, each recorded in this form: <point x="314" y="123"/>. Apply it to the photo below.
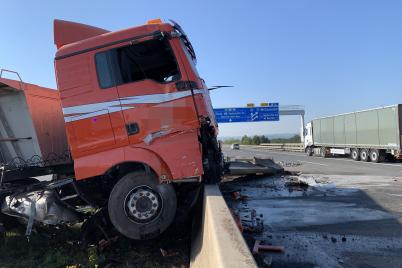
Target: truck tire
<point x="141" y="208"/>
<point x="355" y="154"/>
<point x="364" y="155"/>
<point x="376" y="156"/>
<point x="309" y="151"/>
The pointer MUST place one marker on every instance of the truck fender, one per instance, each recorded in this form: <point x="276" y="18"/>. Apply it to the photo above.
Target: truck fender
<point x="101" y="163"/>
<point x="149" y="158"/>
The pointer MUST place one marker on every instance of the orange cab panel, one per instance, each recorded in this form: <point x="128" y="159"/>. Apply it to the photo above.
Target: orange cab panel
<point x="131" y="96"/>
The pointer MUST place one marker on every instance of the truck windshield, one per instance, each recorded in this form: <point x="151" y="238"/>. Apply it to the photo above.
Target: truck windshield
<point x="153" y="59"/>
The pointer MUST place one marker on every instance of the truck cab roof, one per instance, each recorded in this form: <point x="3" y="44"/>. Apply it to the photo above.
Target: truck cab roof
<point x="73" y="38"/>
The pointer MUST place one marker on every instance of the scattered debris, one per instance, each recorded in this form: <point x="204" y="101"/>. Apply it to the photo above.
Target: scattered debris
<point x="268" y="261"/>
<point x="237" y="220"/>
<point x="257" y="247"/>
<point x="105" y="243"/>
<point x="168" y="253"/>
<point x="256" y="223"/>
<point x="295" y="184"/>
<point x="289" y="164"/>
<point x="237" y="196"/>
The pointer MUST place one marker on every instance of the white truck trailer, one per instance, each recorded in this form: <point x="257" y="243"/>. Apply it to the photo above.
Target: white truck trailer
<point x="369" y="135"/>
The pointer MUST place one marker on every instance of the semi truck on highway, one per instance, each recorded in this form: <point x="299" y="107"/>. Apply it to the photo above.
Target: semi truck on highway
<point x="369" y="135"/>
<point x="130" y="129"/>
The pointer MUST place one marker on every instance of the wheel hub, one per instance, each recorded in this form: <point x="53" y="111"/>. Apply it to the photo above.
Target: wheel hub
<point x="142" y="204"/>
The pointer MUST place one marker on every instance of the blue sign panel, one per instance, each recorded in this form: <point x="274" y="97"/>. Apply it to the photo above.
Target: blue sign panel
<point x="248" y="114"/>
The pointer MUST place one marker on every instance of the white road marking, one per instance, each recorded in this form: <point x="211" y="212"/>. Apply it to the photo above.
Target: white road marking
<point x="371" y="163"/>
<point x="394" y="194"/>
<point x="362" y="185"/>
<point x="313" y="163"/>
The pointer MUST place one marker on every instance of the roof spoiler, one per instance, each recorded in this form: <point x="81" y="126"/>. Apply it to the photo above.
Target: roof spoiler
<point x="67" y="32"/>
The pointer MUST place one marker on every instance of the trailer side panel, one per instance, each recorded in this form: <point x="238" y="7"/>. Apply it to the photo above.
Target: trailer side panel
<point x="377" y="128"/>
<point x="367" y="128"/>
<point x="388" y="125"/>
<point x="350" y="129"/>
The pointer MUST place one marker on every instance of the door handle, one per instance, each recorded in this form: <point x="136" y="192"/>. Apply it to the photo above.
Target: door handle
<point x="132" y="129"/>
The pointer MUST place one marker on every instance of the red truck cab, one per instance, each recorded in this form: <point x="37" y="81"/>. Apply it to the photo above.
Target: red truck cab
<point x="138" y="117"/>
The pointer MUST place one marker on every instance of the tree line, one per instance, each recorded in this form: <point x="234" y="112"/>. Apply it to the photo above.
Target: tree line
<point x="258" y="139"/>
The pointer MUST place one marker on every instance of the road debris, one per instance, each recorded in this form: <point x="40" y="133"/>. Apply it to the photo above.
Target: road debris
<point x="255" y="224"/>
<point x="289" y="164"/>
<point x="237" y="220"/>
<point x="257" y="247"/>
<point x="169" y="253"/>
<point x="237" y="196"/>
<point x="105" y="243"/>
<point x="268" y="261"/>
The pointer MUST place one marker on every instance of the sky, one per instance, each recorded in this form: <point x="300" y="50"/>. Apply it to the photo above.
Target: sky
<point x="330" y="56"/>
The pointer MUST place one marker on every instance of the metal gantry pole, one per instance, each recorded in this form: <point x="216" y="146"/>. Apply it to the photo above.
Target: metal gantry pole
<point x="302" y="128"/>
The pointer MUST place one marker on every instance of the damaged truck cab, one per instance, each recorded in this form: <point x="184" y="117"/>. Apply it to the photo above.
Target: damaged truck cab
<point x="138" y="118"/>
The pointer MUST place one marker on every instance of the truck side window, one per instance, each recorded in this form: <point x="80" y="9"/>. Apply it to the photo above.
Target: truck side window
<point x="103" y="70"/>
<point x="153" y="59"/>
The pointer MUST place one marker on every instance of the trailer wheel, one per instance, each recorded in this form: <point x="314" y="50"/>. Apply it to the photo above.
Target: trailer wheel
<point x="364" y="155"/>
<point x="376" y="156"/>
<point x="140" y="208"/>
<point x="355" y="154"/>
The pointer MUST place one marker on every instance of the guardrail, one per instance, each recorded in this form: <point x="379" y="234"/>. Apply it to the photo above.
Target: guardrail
<point x="289" y="147"/>
<point x="218" y="242"/>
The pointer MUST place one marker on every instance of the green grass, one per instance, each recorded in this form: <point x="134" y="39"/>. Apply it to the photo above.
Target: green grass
<point x="51" y="247"/>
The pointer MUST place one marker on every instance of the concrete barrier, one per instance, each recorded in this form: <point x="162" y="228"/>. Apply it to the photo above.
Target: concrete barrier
<point x="218" y="242"/>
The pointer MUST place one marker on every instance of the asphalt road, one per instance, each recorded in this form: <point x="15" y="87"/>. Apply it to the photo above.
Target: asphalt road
<point x="300" y="162"/>
<point x="349" y="215"/>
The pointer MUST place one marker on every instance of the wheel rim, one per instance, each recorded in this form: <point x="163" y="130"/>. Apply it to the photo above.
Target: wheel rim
<point x="364" y="155"/>
<point x="374" y="156"/>
<point x="142" y="204"/>
<point x="354" y="154"/>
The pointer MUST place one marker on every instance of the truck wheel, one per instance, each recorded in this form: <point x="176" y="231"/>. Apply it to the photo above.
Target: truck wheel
<point x="355" y="154"/>
<point x="140" y="208"/>
<point x="376" y="156"/>
<point x="364" y="155"/>
<point x="309" y="151"/>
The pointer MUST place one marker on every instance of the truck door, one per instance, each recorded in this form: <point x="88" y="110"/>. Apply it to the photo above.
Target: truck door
<point x="147" y="73"/>
<point x="91" y="104"/>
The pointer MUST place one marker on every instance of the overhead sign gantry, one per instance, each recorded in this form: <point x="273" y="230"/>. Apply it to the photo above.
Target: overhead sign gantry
<point x="265" y="112"/>
<point x="248" y="114"/>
